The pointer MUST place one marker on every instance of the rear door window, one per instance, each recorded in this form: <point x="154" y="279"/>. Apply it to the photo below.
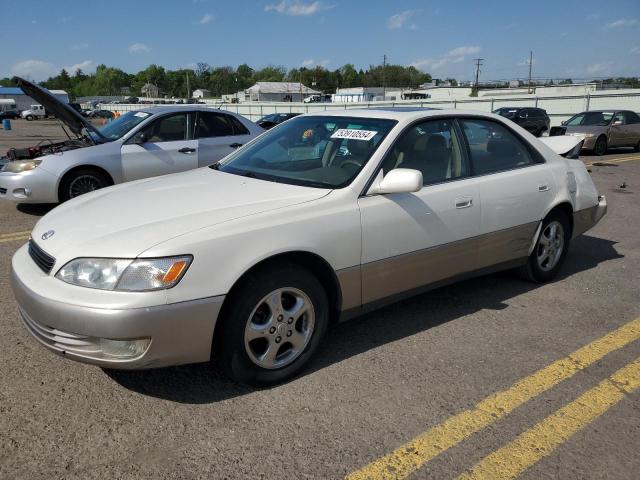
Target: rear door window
<point x="213" y="124"/>
<point x="493" y="147"/>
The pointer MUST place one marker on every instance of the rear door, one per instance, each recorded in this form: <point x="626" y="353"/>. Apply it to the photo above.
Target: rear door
<point x="164" y="146"/>
<point x="515" y="186"/>
<point x="218" y="134"/>
<point x="632" y="128"/>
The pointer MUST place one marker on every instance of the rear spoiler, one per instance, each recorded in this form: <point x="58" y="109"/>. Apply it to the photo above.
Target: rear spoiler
<point x="567" y="146"/>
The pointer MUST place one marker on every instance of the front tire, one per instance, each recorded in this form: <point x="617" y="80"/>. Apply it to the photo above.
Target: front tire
<point x="601" y="146"/>
<point x="272" y="326"/>
<point x="80" y="182"/>
<point x="550" y="249"/>
<point x="29" y="118"/>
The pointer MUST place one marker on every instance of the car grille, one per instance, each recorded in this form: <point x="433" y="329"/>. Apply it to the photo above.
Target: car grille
<point x="3" y="191"/>
<point x="42" y="258"/>
<point x="60" y="340"/>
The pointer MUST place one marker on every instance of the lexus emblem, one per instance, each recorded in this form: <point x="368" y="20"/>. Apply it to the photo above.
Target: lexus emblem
<point x="47" y="235"/>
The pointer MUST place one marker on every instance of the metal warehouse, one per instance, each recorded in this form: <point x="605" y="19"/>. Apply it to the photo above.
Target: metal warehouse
<point x="23" y="102"/>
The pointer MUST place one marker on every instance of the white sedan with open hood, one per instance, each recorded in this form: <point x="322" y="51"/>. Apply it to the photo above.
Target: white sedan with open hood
<point x="139" y="144"/>
<point x="317" y="220"/>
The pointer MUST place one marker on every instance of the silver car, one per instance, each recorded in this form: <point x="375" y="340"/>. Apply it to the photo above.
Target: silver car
<point x="605" y="128"/>
<point x="144" y="143"/>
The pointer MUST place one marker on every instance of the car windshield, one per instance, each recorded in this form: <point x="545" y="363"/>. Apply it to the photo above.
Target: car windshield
<point x="322" y="152"/>
<point x="121" y="125"/>
<point x="590" y="119"/>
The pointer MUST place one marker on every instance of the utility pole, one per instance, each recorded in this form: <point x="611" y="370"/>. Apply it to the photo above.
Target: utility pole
<point x="478" y="62"/>
<point x="188" y="89"/>
<point x="530" y="64"/>
<point x="384" y="77"/>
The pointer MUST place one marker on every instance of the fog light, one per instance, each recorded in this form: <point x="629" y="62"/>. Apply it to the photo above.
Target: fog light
<point x="21" y="192"/>
<point x="123" y="348"/>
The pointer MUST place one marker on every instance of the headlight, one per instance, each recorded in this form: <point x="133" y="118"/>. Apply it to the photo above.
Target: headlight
<point x="137" y="275"/>
<point x="18" y="166"/>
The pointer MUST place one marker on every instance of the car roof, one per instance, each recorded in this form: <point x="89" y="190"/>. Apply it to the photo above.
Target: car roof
<point x="399" y="113"/>
<point x="156" y="109"/>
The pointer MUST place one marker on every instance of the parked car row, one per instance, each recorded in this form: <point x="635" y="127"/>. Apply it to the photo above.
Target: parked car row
<point x="251" y="259"/>
<point x="601" y="129"/>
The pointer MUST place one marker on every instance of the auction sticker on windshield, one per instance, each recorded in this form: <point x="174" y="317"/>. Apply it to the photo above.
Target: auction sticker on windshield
<point x="142" y="114"/>
<point x="353" y="134"/>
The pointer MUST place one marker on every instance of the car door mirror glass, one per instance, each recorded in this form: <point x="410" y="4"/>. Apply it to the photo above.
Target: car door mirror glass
<point x="398" y="180"/>
<point x="139" y="138"/>
<point x="617" y="123"/>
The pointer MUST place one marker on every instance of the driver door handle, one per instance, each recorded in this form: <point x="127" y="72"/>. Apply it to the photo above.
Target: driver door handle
<point x="464" y="202"/>
<point x="235" y="145"/>
<point x="187" y="150"/>
<point x="543" y="188"/>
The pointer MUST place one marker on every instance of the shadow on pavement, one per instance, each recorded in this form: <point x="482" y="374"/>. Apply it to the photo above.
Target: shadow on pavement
<point x="36" y="209"/>
<point x="204" y="383"/>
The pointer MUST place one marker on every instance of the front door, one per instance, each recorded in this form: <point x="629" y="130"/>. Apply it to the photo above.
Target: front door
<point x="414" y="239"/>
<point x="164" y="146"/>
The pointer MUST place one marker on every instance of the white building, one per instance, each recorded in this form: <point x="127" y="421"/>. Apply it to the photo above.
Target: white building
<point x="273" y="92"/>
<point x="201" y="93"/>
<point x="360" y="94"/>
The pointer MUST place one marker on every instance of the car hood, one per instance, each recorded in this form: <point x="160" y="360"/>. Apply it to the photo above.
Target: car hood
<point x="66" y="114"/>
<point x="587" y="129"/>
<point x="125" y="220"/>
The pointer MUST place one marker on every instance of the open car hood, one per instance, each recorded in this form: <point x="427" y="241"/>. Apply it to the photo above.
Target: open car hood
<point x="63" y="112"/>
<point x="564" y="145"/>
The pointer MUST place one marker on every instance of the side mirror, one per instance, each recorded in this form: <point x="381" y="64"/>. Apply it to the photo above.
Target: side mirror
<point x="140" y="138"/>
<point x="564" y="122"/>
<point x="398" y="180"/>
<point x="617" y="123"/>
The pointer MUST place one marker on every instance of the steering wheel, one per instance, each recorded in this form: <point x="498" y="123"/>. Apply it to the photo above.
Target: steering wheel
<point x="351" y="162"/>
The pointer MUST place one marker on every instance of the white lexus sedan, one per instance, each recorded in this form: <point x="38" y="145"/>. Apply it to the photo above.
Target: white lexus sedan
<point x="139" y="144"/>
<point x="316" y="221"/>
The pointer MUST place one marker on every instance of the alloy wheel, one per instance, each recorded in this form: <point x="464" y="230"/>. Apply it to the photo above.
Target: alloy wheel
<point x="83" y="184"/>
<point x="550" y="246"/>
<point x="279" y="328"/>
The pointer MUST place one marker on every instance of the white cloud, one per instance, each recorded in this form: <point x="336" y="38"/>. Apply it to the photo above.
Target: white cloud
<point x="599" y="68"/>
<point x="296" y="8"/>
<point x="80" y="46"/>
<point x="310" y="63"/>
<point x="456" y="55"/>
<point x="635" y="50"/>
<point x="65" y="19"/>
<point x="206" y="18"/>
<point x="400" y="20"/>
<point x="84" y="66"/>
<point x="138" y="48"/>
<point x="33" y="69"/>
<point x="623" y="22"/>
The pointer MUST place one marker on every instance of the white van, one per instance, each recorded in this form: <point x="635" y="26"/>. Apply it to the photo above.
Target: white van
<point x="34" y="111"/>
<point x="7" y="104"/>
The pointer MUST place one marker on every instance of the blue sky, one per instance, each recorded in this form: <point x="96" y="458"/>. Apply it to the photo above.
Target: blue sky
<point x="571" y="38"/>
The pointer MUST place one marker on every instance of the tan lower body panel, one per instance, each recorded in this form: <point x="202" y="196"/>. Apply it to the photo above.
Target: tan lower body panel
<point x="391" y="276"/>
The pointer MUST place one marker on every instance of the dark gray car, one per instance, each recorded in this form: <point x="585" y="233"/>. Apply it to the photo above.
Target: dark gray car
<point x="605" y="128"/>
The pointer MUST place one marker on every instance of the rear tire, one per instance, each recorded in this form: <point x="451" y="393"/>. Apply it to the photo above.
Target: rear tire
<point x="80" y="182"/>
<point x="600" y="147"/>
<point x="550" y="249"/>
<point x="272" y="326"/>
<point x="637" y="147"/>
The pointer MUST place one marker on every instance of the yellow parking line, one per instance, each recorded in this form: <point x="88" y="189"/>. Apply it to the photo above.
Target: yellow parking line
<point x="409" y="457"/>
<point x="543" y="438"/>
<point x="14" y="234"/>
<point x="15" y="238"/>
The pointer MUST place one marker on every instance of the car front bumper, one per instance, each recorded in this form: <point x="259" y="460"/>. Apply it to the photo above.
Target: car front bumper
<point x="33" y="186"/>
<point x="172" y="334"/>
